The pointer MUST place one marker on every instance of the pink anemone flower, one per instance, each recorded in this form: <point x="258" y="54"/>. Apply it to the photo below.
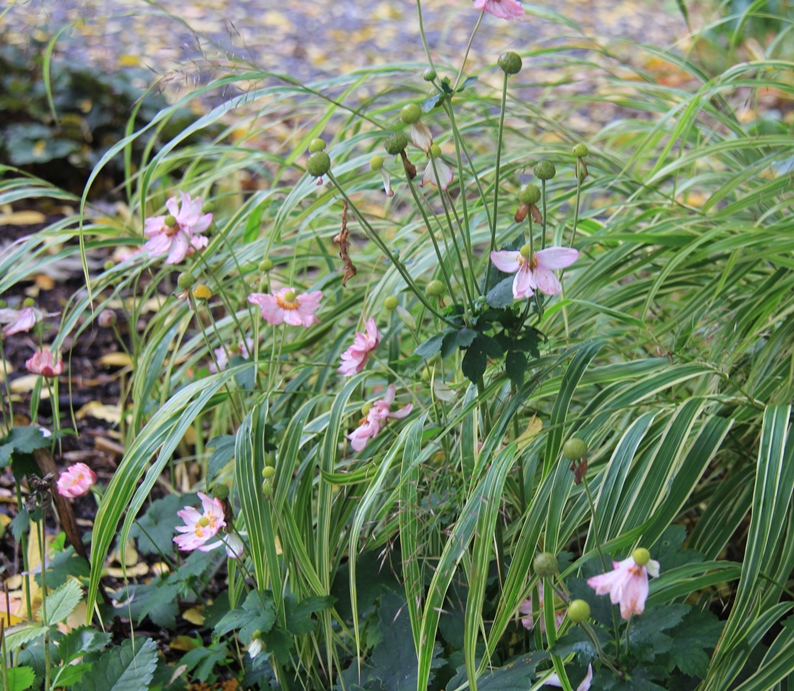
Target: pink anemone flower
<point x="184" y="237"/>
<point x="536" y="272"/>
<point x="376" y="418"/>
<point x="356" y="356"/>
<point x="76" y="481"/>
<point x="528" y="621"/>
<point x="626" y="585"/>
<point x="445" y="174"/>
<point x="511" y="10"/>
<point x="287" y="306"/>
<point x="200" y="526"/>
<point x="245" y="348"/>
<point x="18" y="321"/>
<point x="584" y="685"/>
<point x="46" y="363"/>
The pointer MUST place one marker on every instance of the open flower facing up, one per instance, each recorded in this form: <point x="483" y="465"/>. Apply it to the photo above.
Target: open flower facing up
<point x="511" y="10"/>
<point x="584" y="685"/>
<point x="46" y="363"/>
<point x="17" y="321"/>
<point x="356" y="356"/>
<point x="529" y="621"/>
<point x="536" y="272"/>
<point x="377" y="416"/>
<point x="287" y="306"/>
<point x="76" y="480"/>
<point x="200" y="526"/>
<point x="628" y="583"/>
<point x="184" y="236"/>
<point x="245" y="348"/>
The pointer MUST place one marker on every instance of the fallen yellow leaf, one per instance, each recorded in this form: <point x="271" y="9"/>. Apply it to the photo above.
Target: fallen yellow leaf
<point x="533" y="430"/>
<point x="100" y="411"/>
<point x="194" y="616"/>
<point x="116" y="360"/>
<point x="22" y="218"/>
<point x="25" y="385"/>
<point x="183" y="643"/>
<point x="130" y="572"/>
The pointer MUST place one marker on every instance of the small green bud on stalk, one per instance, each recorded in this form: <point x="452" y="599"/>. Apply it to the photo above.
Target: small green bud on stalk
<point x="435" y="150"/>
<point x="546" y="565"/>
<point x="28" y="302"/>
<point x="3" y="304"/>
<point x="266" y="265"/>
<point x="208" y="208"/>
<point x="316" y="145"/>
<point x="529" y="194"/>
<point x="574" y="449"/>
<point x="410" y="113"/>
<point x="170" y="221"/>
<point x="268" y="472"/>
<point x="376" y="162"/>
<point x="395" y="143"/>
<point x="319" y="164"/>
<point x="435" y="288"/>
<point x="510" y="62"/>
<point x="267" y="489"/>
<point x="578" y="611"/>
<point x="221" y="492"/>
<point x="580" y="151"/>
<point x="108" y="265"/>
<point x="365" y="409"/>
<point x="289" y="296"/>
<point x="391" y="302"/>
<point x="525" y="251"/>
<point x="545" y="170"/>
<point x="185" y="280"/>
<point x="641" y="556"/>
<point x="429" y="74"/>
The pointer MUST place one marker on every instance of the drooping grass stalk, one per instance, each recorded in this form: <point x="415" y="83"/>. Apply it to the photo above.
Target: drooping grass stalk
<point x="543" y="220"/>
<point x="468" y="49"/>
<point x="500" y="134"/>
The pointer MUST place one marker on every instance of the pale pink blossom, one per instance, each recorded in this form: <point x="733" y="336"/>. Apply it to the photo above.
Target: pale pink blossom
<point x="445" y="174"/>
<point x="255" y="647"/>
<point x="536" y="272"/>
<point x="377" y="416"/>
<point x="627" y="585"/>
<point x="526" y="608"/>
<point x="356" y="356"/>
<point x="287" y="306"/>
<point x="233" y="544"/>
<point x="245" y="348"/>
<point x="511" y="10"/>
<point x="17" y="321"/>
<point x="200" y="526"/>
<point x="184" y="237"/>
<point x="76" y="480"/>
<point x="584" y="685"/>
<point x="46" y="363"/>
<point x="421" y="136"/>
<point x="386" y="182"/>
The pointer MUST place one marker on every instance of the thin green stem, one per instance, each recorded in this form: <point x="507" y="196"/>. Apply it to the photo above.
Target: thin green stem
<point x="500" y="134"/>
<point x="468" y="49"/>
<point x="422" y="33"/>
<point x="543" y="220"/>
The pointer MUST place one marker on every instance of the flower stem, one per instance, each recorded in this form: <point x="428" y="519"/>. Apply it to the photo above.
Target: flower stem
<point x="496" y="179"/>
<point x="468" y="49"/>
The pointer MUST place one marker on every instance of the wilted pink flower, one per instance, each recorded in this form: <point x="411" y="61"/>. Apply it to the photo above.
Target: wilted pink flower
<point x="356" y="356"/>
<point x="200" y="527"/>
<point x="377" y="416"/>
<point x="526" y="608"/>
<point x="445" y="174"/>
<point x="421" y="136"/>
<point x="386" y="182"/>
<point x="504" y="9"/>
<point x="554" y="680"/>
<point x="45" y="363"/>
<point x="17" y="321"/>
<point x="627" y="585"/>
<point x="184" y="237"/>
<point x="287" y="306"/>
<point x="246" y="347"/>
<point x="537" y="272"/>
<point x="76" y="480"/>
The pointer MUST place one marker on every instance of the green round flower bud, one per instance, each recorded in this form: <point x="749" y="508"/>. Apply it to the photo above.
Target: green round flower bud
<point x="221" y="492"/>
<point x="395" y="143"/>
<point x="319" y="164"/>
<point x="185" y="280"/>
<point x="376" y="162"/>
<point x="267" y="489"/>
<point x="429" y="74"/>
<point x="289" y="296"/>
<point x="266" y="265"/>
<point x="28" y="302"/>
<point x="574" y="449"/>
<point x="268" y="471"/>
<point x="529" y="194"/>
<point x="208" y="208"/>
<point x="391" y="302"/>
<point x="525" y="251"/>
<point x="546" y="565"/>
<point x="3" y="304"/>
<point x="510" y="62"/>
<point x="578" y="611"/>
<point x="316" y="145"/>
<point x="435" y="150"/>
<point x="365" y="409"/>
<point x="545" y="170"/>
<point x="580" y="151"/>
<point x="410" y="113"/>
<point x="435" y="288"/>
<point x="170" y="221"/>
<point x="108" y="265"/>
<point x="641" y="556"/>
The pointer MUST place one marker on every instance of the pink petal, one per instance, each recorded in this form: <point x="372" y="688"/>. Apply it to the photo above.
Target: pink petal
<point x="421" y="136"/>
<point x="173" y="206"/>
<point x="508" y="261"/>
<point x="522" y="284"/>
<point x="545" y="281"/>
<point x="157" y="245"/>
<point x="510" y="10"/>
<point x="556" y="257"/>
<point x="179" y="248"/>
<point x="402" y="412"/>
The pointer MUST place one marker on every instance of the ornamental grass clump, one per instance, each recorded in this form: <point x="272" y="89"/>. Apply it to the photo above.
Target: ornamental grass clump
<point x="404" y="388"/>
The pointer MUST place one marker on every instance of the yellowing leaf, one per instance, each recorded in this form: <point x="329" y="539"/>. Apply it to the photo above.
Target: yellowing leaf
<point x="5" y="366"/>
<point x="533" y="430"/>
<point x="130" y="572"/>
<point x="22" y="218"/>
<point x="116" y="360"/>
<point x="183" y="643"/>
<point x="194" y="616"/>
<point x="100" y="411"/>
<point x="25" y="385"/>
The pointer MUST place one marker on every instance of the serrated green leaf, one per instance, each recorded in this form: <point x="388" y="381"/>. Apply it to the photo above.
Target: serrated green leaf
<point x="20" y="678"/>
<point x="127" y="667"/>
<point x="258" y="613"/>
<point x="70" y="674"/>
<point x="475" y="360"/>
<point x="501" y="295"/>
<point x="456" y="339"/>
<point x="80" y="641"/>
<point x="63" y="566"/>
<point x="431" y="346"/>
<point x="299" y="614"/>
<point x="17" y="636"/>
<point x="5" y="454"/>
<point x="27" y="439"/>
<point x="61" y="603"/>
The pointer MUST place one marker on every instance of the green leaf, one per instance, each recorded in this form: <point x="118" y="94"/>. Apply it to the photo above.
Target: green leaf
<point x="253" y="225"/>
<point x="476" y="358"/>
<point x="258" y="613"/>
<point x="128" y="667"/>
<point x="61" y="603"/>
<point x="299" y="614"/>
<point x="516" y="366"/>
<point x="63" y="566"/>
<point x="203" y="660"/>
<point x="431" y="346"/>
<point x="70" y="674"/>
<point x="5" y="454"/>
<point x="456" y="339"/>
<point x="17" y="636"/>
<point x="699" y="631"/>
<point x="80" y="641"/>
<point x="223" y="452"/>
<point x="155" y="530"/>
<point x="501" y="295"/>
<point x="429" y="103"/>
<point x="156" y="599"/>
<point x="20" y="678"/>
<point x="27" y="439"/>
<point x="515" y="675"/>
